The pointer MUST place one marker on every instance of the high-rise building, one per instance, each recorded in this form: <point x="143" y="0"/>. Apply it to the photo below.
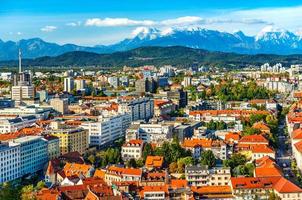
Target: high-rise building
<point x="68" y="84"/>
<point x="145" y="85"/>
<point x="80" y="84"/>
<point x="114" y="81"/>
<point x="10" y="161"/>
<point x="107" y="128"/>
<point x="22" y="88"/>
<point x="71" y="139"/>
<point x="33" y="154"/>
<point x="187" y="81"/>
<point x="59" y="105"/>
<point x="140" y="109"/>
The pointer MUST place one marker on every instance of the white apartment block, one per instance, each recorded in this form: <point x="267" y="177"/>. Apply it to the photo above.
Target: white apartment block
<point x="40" y="113"/>
<point x="202" y="176"/>
<point x="140" y="109"/>
<point x="68" y="84"/>
<point x="10" y="161"/>
<point x="132" y="149"/>
<point x="22" y="92"/>
<point x="107" y="128"/>
<point x="149" y="132"/>
<point x="13" y="125"/>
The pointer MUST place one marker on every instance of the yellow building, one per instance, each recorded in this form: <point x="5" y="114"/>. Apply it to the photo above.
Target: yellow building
<point x="72" y="139"/>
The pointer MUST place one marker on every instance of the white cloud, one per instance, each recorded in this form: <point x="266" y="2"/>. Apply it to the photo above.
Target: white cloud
<point x="19" y="33"/>
<point x="118" y="22"/>
<point x="183" y="21"/>
<point x="73" y="24"/>
<point x="48" y="28"/>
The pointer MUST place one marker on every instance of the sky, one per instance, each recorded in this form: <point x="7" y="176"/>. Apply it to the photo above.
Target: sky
<point x="96" y="22"/>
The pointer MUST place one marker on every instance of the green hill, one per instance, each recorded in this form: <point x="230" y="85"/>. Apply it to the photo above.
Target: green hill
<point x="158" y="56"/>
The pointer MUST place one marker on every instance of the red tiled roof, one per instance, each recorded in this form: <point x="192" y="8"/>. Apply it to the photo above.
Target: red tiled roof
<point x="298" y="146"/>
<point x="154" y="161"/>
<point x="297" y="134"/>
<point x="121" y="171"/>
<point x="253" y="139"/>
<point x="133" y="142"/>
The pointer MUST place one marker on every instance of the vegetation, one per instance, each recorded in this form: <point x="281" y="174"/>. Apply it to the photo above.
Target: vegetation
<point x="158" y="56"/>
<point x="216" y="125"/>
<point x="208" y="158"/>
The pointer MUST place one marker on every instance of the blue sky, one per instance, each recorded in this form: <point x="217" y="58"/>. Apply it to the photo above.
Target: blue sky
<point x="93" y="22"/>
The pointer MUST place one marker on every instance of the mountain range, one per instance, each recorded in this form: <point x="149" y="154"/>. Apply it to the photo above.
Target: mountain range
<point x="266" y="42"/>
<point x="158" y="56"/>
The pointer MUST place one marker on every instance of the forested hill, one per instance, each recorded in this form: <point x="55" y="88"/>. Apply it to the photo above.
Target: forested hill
<point x="158" y="56"/>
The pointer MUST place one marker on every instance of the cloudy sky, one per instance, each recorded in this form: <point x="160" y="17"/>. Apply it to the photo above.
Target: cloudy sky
<point x="94" y="22"/>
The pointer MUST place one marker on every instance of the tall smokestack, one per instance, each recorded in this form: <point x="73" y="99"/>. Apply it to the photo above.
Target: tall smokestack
<point x="20" y="62"/>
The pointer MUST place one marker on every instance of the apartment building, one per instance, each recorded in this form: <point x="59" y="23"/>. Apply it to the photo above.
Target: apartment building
<point x="13" y="125"/>
<point x="10" y="161"/>
<point x="119" y="174"/>
<point x="203" y="176"/>
<point x="107" y="128"/>
<point x="132" y="149"/>
<point x="53" y="146"/>
<point x="71" y="139"/>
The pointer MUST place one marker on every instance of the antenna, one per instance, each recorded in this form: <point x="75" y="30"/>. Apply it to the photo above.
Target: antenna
<point x="20" y="62"/>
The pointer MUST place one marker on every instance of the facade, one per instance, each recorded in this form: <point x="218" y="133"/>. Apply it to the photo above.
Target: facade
<point x="53" y="146"/>
<point x="13" y="125"/>
<point x="202" y="176"/>
<point x="132" y="149"/>
<point x="10" y="161"/>
<point x="118" y="174"/>
<point x="71" y="139"/>
<point x="59" y="105"/>
<point x="114" y="81"/>
<point x="140" y="109"/>
<point x="68" y="84"/>
<point x="107" y="128"/>
<point x="80" y="84"/>
<point x="33" y="154"/>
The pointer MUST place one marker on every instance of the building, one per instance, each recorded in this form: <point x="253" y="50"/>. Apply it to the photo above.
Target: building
<point x="114" y="81"/>
<point x="178" y="97"/>
<point x="107" y="128"/>
<point x="132" y="149"/>
<point x="80" y="84"/>
<point x="22" y="92"/>
<point x="15" y="124"/>
<point x="119" y="174"/>
<point x="68" y="84"/>
<point x="154" y="162"/>
<point x="33" y="154"/>
<point x="43" y="95"/>
<point x="156" y="133"/>
<point x="71" y="139"/>
<point x="145" y="85"/>
<point x="9" y="161"/>
<point x="260" y="188"/>
<point x="202" y="176"/>
<point x="140" y="109"/>
<point x="53" y="146"/>
<point x="59" y="105"/>
<point x="187" y="81"/>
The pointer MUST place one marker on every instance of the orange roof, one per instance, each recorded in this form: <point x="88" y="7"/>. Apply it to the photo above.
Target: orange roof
<point x="212" y="189"/>
<point x="297" y="134"/>
<point x="154" y="161"/>
<point x="232" y="136"/>
<point x="193" y="142"/>
<point x="178" y="183"/>
<point x="266" y="167"/>
<point x="253" y="139"/>
<point x="261" y="126"/>
<point x="99" y="173"/>
<point x="144" y="189"/>
<point x="285" y="186"/>
<point x="298" y="146"/>
<point x="261" y="148"/>
<point x="47" y="194"/>
<point x="133" y="143"/>
<point x="228" y="112"/>
<point x="121" y="171"/>
<point x="71" y="169"/>
<point x="298" y="94"/>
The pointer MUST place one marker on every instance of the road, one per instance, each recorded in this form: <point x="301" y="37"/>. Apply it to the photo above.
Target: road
<point x="284" y="151"/>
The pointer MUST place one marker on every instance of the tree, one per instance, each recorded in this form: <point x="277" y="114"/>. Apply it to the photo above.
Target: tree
<point x="208" y="158"/>
<point x="147" y="151"/>
<point x="8" y="192"/>
<point x="91" y="159"/>
<point x="131" y="163"/>
<point x="27" y="192"/>
<point x="251" y="131"/>
<point x="173" y="167"/>
<point x="235" y="160"/>
<point x="40" y="185"/>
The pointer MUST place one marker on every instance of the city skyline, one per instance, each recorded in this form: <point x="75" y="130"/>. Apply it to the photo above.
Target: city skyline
<point x="96" y="23"/>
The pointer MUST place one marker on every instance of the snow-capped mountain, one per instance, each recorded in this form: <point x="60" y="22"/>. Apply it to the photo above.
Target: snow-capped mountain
<point x="268" y="40"/>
